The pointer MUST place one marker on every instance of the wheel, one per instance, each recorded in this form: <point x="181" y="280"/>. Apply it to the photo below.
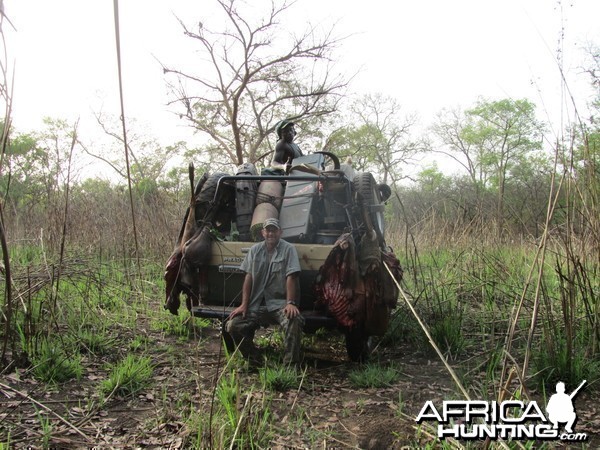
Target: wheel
<point x="205" y="208"/>
<point x="358" y="345"/>
<point x="208" y="188"/>
<point x="370" y="193"/>
<point x="200" y="183"/>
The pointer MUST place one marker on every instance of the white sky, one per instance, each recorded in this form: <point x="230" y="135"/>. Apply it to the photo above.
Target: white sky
<point x="428" y="54"/>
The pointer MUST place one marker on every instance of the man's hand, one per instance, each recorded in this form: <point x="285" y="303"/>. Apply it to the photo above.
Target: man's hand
<point x="291" y="311"/>
<point x="240" y="310"/>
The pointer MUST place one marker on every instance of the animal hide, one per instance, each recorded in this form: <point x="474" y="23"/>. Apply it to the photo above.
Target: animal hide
<point x="181" y="274"/>
<point x="336" y="282"/>
<point x="355" y="286"/>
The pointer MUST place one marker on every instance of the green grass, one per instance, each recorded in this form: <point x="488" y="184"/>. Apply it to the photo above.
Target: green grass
<point x="447" y="332"/>
<point x="281" y="377"/>
<point x="94" y="341"/>
<point x="182" y="325"/>
<point x="128" y="377"/>
<point x="46" y="426"/>
<point x="241" y="417"/>
<point x="556" y="363"/>
<point x="52" y="364"/>
<point x="373" y="376"/>
<point x="139" y="342"/>
<point x="465" y="296"/>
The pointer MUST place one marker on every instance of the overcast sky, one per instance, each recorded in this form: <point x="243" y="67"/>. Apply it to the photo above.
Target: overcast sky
<point x="428" y="54"/>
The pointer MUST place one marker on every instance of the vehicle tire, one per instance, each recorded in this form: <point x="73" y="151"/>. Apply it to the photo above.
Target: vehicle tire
<point x="358" y="345"/>
<point x="209" y="187"/>
<point x="200" y="183"/>
<point x="205" y="197"/>
<point x="369" y="192"/>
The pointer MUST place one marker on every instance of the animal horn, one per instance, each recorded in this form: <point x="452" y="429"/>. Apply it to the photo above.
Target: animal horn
<point x="191" y="176"/>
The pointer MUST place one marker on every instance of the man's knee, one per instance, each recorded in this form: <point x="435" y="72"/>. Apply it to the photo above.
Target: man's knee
<point x="242" y="325"/>
<point x="231" y="325"/>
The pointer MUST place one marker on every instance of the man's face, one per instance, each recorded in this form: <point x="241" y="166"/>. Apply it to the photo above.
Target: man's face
<point x="288" y="133"/>
<point x="271" y="234"/>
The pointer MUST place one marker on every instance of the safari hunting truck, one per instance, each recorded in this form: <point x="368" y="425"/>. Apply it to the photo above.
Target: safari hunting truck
<point x="333" y="216"/>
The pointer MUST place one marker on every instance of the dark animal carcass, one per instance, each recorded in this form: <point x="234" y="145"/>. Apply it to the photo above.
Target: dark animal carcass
<point x="186" y="267"/>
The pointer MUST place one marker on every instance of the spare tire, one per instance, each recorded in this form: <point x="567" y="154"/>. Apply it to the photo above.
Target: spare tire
<point x="370" y="194"/>
<point x="209" y="187"/>
<point x="205" y="207"/>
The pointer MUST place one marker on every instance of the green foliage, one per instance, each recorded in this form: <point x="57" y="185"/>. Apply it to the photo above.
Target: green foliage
<point x="26" y="162"/>
<point x="499" y="146"/>
<point x="468" y="297"/>
<point x="447" y="332"/>
<point x="373" y="376"/>
<point x="399" y="406"/>
<point x="360" y="143"/>
<point x="52" y="364"/>
<point x="181" y="325"/>
<point x="241" y="419"/>
<point x="139" y="343"/>
<point x="379" y="139"/>
<point x="282" y="377"/>
<point x="404" y="329"/>
<point x="26" y="255"/>
<point x="174" y="325"/>
<point x="555" y="361"/>
<point x="433" y="181"/>
<point x="502" y="131"/>
<point x="94" y="341"/>
<point x="46" y="426"/>
<point x="228" y="394"/>
<point x="128" y="376"/>
<point x="272" y="337"/>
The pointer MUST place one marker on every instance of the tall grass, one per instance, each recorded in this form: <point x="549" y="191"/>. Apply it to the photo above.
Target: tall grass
<point x="241" y="416"/>
<point x="467" y="298"/>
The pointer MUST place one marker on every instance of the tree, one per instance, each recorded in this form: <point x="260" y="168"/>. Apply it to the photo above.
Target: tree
<point x="489" y="141"/>
<point x="504" y="132"/>
<point x="381" y="140"/>
<point x="21" y="176"/>
<point x="258" y="72"/>
<point x="449" y="128"/>
<point x="527" y="193"/>
<point x="35" y="164"/>
<point x="149" y="158"/>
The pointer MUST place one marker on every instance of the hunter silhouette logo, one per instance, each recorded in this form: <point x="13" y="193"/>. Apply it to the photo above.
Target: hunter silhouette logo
<point x="560" y="407"/>
<point x="509" y="419"/>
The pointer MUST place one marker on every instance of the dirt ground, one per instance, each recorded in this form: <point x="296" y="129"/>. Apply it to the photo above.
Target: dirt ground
<point x="334" y="413"/>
